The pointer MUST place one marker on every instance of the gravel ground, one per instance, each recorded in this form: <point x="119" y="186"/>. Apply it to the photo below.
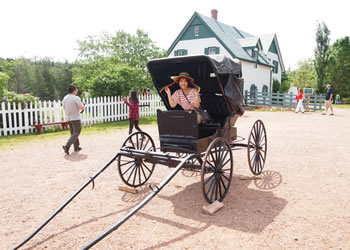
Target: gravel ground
<point x="302" y="201"/>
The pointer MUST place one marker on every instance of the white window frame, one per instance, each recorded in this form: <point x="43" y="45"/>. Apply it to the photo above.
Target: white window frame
<point x="180" y="52"/>
<point x="196" y="30"/>
<point x="212" y="51"/>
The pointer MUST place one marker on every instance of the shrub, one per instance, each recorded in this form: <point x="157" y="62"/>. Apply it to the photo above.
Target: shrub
<point x="346" y="100"/>
<point x="13" y="97"/>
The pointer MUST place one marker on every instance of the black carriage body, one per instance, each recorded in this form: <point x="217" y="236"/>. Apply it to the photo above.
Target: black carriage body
<point x="221" y="96"/>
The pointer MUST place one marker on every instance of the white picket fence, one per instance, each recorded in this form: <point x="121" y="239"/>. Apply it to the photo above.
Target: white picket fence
<point x="15" y="119"/>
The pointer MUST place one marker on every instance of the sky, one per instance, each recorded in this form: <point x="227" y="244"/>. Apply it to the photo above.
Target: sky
<point x="51" y="28"/>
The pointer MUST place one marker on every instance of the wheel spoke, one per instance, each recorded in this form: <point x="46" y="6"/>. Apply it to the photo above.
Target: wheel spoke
<point x="226" y="177"/>
<point x="143" y="164"/>
<point x="133" y="182"/>
<point x="140" y="174"/>
<point x="223" y="183"/>
<point x="131" y="174"/>
<point x="210" y="187"/>
<point x="143" y="172"/>
<point x="214" y="160"/>
<point x="226" y="162"/>
<point x="129" y="168"/>
<point x="120" y="165"/>
<point x="146" y="144"/>
<point x="205" y="183"/>
<point x="213" y="189"/>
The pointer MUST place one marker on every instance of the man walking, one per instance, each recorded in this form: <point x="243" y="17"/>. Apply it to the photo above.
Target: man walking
<point x="72" y="106"/>
<point x="328" y="102"/>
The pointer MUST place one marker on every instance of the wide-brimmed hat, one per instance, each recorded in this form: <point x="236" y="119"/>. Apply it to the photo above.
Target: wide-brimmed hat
<point x="183" y="75"/>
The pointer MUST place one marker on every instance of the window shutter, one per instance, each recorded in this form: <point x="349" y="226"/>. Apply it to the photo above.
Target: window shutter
<point x="185" y="52"/>
<point x="217" y="50"/>
<point x="206" y="51"/>
<point x="176" y="52"/>
<point x="276" y="67"/>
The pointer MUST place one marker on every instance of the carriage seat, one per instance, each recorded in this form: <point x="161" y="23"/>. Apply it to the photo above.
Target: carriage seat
<point x="216" y="106"/>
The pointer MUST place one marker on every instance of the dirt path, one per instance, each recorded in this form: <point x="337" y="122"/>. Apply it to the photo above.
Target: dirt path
<point x="303" y="200"/>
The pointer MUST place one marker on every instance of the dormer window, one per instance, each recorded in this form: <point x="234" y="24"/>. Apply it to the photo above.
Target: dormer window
<point x="255" y="52"/>
<point x="196" y="30"/>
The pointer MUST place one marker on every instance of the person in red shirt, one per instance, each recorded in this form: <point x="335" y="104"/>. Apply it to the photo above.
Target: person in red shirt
<point x="133" y="104"/>
<point x="300" y="99"/>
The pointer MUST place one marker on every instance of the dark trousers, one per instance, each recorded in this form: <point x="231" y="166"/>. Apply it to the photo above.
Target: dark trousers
<point x="131" y="125"/>
<point x="75" y="129"/>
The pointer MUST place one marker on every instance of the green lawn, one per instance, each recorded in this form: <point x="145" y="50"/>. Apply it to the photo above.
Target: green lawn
<point x="15" y="140"/>
<point x="342" y="106"/>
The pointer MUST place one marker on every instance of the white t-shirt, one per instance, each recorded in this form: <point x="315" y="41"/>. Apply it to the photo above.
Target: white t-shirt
<point x="71" y="105"/>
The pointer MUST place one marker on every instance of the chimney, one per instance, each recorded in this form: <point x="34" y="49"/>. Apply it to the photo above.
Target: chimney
<point x="214" y="14"/>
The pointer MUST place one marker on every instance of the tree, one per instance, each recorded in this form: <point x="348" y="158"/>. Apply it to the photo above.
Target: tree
<point x="3" y="82"/>
<point x="321" y="54"/>
<point x="305" y="75"/>
<point x="119" y="59"/>
<point x="276" y="86"/>
<point x="338" y="71"/>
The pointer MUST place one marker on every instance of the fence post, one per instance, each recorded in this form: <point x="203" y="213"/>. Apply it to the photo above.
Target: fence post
<point x="255" y="98"/>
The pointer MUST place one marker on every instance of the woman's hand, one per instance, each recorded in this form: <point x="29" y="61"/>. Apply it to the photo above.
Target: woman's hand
<point x="198" y="89"/>
<point x="167" y="90"/>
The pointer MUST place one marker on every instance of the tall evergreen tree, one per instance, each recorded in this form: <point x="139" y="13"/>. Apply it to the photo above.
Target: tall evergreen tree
<point x="321" y="54"/>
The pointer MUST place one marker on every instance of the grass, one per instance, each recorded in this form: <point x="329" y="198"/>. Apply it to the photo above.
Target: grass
<point x="51" y="134"/>
<point x="342" y="106"/>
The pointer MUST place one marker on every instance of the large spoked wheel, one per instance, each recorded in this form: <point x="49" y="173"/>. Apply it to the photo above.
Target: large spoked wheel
<point x="134" y="172"/>
<point x="257" y="147"/>
<point x="217" y="167"/>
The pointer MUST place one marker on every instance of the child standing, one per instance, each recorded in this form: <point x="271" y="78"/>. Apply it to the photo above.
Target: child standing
<point x="133" y="104"/>
<point x="300" y="99"/>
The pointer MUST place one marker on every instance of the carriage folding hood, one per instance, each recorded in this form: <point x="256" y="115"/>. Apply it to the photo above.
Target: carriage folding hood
<point x="215" y="74"/>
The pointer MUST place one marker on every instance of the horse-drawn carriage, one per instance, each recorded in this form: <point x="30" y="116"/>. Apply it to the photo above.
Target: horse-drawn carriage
<point x="210" y="144"/>
<point x="185" y="144"/>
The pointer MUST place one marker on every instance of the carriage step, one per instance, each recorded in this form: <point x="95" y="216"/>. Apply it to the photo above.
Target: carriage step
<point x="213" y="207"/>
<point x="128" y="189"/>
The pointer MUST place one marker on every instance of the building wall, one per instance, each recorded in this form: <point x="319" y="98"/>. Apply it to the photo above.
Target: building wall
<point x="196" y="47"/>
<point x="274" y="57"/>
<point x="259" y="76"/>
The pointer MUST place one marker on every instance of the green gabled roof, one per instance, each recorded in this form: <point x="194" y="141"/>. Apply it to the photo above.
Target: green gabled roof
<point x="228" y="37"/>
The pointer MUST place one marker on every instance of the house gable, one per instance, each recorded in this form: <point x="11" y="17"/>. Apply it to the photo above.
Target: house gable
<point x="196" y="30"/>
<point x="226" y="35"/>
<point x="273" y="48"/>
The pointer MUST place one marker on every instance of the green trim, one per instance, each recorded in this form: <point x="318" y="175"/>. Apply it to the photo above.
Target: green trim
<point x="273" y="48"/>
<point x="198" y="19"/>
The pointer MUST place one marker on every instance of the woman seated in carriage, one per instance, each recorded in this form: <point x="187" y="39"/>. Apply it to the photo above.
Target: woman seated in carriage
<point x="187" y="97"/>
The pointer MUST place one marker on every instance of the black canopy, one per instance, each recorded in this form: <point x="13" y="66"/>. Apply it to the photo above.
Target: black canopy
<point x="218" y="76"/>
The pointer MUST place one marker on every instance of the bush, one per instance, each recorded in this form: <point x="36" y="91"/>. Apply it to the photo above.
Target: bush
<point x="13" y="97"/>
<point x="346" y="100"/>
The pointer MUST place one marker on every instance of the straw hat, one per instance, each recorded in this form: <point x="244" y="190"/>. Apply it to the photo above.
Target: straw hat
<point x="183" y="75"/>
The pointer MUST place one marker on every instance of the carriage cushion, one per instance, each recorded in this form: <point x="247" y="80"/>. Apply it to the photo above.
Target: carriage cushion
<point x="216" y="106"/>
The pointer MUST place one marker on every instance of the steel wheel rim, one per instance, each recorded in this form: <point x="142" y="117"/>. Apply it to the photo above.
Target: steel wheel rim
<point x="217" y="168"/>
<point x="257" y="147"/>
<point x="135" y="172"/>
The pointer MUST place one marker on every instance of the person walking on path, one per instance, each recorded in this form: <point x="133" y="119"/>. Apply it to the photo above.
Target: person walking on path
<point x="134" y="110"/>
<point x="300" y="99"/>
<point x="328" y="102"/>
<point x="72" y="106"/>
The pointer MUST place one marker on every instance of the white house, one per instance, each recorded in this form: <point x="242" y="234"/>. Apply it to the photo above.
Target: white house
<point x="260" y="55"/>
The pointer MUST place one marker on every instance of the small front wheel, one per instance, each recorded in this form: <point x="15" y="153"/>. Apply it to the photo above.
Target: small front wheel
<point x="217" y="168"/>
<point x="134" y="172"/>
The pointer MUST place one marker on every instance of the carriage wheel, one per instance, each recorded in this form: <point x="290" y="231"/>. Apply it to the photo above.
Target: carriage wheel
<point x="257" y="147"/>
<point x="217" y="170"/>
<point x="135" y="172"/>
